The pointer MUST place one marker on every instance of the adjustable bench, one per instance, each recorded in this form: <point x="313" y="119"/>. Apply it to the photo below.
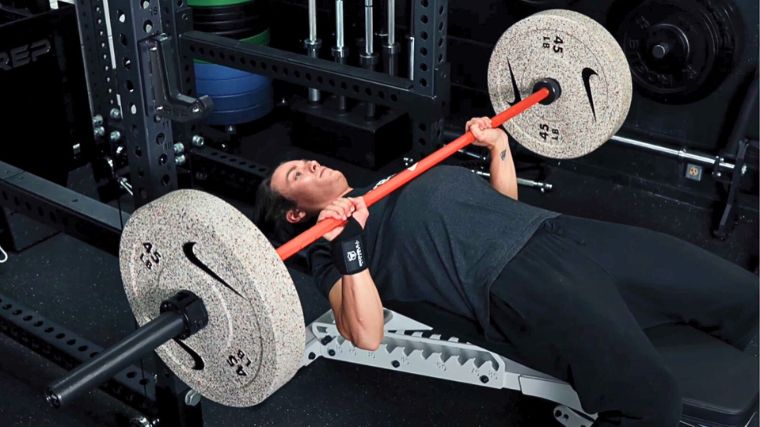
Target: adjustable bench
<point x="719" y="383"/>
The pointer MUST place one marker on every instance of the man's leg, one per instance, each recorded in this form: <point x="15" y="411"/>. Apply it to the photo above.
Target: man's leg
<point x="562" y="315"/>
<point x="667" y="280"/>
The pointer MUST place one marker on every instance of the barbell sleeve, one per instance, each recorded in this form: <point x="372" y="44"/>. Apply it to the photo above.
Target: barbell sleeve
<point x="182" y="315"/>
<point x="105" y="365"/>
<point x="311" y="235"/>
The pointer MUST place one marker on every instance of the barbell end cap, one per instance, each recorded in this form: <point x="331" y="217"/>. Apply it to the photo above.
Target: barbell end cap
<point x="555" y="90"/>
<point x="52" y="399"/>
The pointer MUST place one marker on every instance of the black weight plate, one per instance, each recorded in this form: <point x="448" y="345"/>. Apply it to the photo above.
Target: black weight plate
<point x="223" y="13"/>
<point x="239" y="34"/>
<point x="228" y="18"/>
<point x="236" y="24"/>
<point x="236" y="33"/>
<point x="678" y="50"/>
<point x="548" y="3"/>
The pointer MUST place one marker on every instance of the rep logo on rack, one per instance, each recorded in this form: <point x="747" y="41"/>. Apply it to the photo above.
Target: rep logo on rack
<point x="22" y="55"/>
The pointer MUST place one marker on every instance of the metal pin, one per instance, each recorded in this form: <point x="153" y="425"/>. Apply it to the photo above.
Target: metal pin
<point x="368" y="57"/>
<point x="123" y="183"/>
<point x="340" y="53"/>
<point x="312" y="45"/>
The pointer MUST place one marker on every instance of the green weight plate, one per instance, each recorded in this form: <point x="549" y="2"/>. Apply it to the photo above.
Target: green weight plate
<point x="261" y="38"/>
<point x="215" y="3"/>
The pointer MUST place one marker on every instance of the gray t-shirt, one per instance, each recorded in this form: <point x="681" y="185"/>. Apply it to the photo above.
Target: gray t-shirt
<point x="443" y="238"/>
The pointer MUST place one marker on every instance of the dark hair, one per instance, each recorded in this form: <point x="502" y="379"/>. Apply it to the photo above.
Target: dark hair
<point x="269" y="210"/>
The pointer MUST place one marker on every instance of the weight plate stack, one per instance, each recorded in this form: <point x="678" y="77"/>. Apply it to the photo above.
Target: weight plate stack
<point x="681" y="51"/>
<point x="215" y="3"/>
<point x="238" y="96"/>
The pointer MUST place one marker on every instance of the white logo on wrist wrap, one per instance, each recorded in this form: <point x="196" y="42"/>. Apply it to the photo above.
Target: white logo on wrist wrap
<point x="356" y="256"/>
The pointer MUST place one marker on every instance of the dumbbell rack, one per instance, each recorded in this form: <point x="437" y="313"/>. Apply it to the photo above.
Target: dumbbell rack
<point x="137" y="115"/>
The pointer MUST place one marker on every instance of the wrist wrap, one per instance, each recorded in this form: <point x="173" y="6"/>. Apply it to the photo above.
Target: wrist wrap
<point x="348" y="253"/>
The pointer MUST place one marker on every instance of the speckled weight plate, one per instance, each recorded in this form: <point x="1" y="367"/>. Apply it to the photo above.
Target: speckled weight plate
<point x="254" y="341"/>
<point x="592" y="71"/>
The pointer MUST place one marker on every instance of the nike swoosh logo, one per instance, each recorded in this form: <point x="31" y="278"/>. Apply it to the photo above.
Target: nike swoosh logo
<point x="187" y="248"/>
<point x="586" y="74"/>
<point x="515" y="89"/>
<point x="199" y="364"/>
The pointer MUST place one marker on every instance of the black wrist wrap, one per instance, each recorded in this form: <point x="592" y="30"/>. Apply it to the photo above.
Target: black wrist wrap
<point x="348" y="253"/>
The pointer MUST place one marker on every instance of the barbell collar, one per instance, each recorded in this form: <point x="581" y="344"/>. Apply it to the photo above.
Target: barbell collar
<point x="191" y="308"/>
<point x="555" y="90"/>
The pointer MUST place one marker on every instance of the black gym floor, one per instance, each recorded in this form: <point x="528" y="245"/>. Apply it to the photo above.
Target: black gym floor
<point x="79" y="287"/>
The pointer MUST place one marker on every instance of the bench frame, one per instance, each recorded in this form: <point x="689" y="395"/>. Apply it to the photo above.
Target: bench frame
<point x="410" y="346"/>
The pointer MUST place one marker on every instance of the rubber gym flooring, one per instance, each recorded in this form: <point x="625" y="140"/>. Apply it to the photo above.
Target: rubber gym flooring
<point x="79" y="287"/>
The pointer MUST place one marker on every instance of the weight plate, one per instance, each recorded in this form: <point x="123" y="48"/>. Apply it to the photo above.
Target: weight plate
<point x="209" y="71"/>
<point x="254" y="341"/>
<point x="233" y="86"/>
<point x="251" y="8"/>
<point x="680" y="50"/>
<point x="257" y="22"/>
<point x="243" y="101"/>
<point x="236" y="117"/>
<point x="260" y="38"/>
<point x="590" y="67"/>
<point x="548" y="3"/>
<point x="215" y="3"/>
<point x="239" y="34"/>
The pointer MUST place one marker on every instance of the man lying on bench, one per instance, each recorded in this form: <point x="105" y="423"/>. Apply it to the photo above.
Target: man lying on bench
<point x="570" y="297"/>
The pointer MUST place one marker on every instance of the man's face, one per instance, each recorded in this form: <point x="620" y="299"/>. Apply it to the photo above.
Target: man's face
<point x="311" y="185"/>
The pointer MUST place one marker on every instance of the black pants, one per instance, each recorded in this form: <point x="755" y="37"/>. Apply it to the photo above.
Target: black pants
<point x="575" y="300"/>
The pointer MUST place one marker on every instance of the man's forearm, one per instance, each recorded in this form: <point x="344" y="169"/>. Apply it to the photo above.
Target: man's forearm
<point x="503" y="176"/>
<point x="362" y="310"/>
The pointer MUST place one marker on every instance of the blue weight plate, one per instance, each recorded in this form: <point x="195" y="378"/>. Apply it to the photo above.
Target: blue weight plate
<point x="235" y="86"/>
<point x="217" y="72"/>
<point x="243" y="100"/>
<point x="234" y="117"/>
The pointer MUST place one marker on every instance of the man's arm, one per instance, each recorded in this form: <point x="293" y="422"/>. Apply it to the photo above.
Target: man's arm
<point x="358" y="310"/>
<point x="502" y="168"/>
<point x="354" y="298"/>
<point x="503" y="176"/>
